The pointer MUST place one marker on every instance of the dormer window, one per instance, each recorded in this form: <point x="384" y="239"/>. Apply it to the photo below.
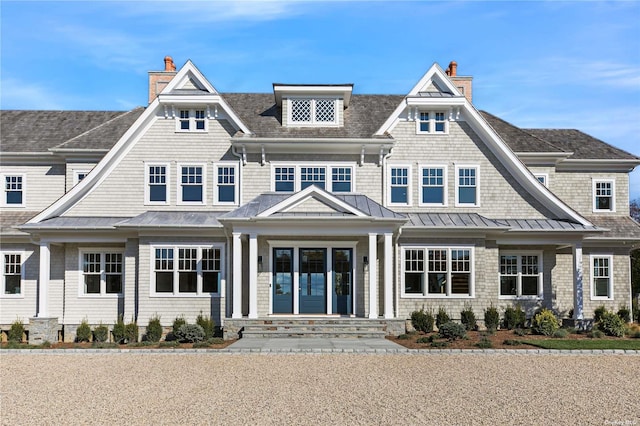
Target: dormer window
<point x="192" y="120"/>
<point x="312" y="111"/>
<point x="433" y="122"/>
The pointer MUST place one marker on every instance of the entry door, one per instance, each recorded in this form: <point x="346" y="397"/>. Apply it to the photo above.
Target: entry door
<point x="342" y="281"/>
<point x="313" y="281"/>
<point x="282" y="281"/>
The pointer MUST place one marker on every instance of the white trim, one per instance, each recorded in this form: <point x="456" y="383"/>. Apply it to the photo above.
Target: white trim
<point x="236" y="190"/>
<point x="23" y="258"/>
<point x="519" y="275"/>
<point x="147" y="192"/>
<point x="432" y="122"/>
<point x="312" y="192"/>
<point x="297" y="178"/>
<point x="179" y="194"/>
<point x="77" y="173"/>
<point x="545" y="178"/>
<point x="103" y="283"/>
<point x="192" y="120"/>
<point x="457" y="184"/>
<point x="592" y="277"/>
<point x="23" y="190"/>
<point x="445" y="184"/>
<point x="312" y="112"/>
<point x="388" y="186"/>
<point x="594" y="182"/>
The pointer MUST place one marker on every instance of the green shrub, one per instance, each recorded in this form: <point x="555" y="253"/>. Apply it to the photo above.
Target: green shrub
<point x="611" y="324"/>
<point x="100" y="333"/>
<point x="442" y="317"/>
<point x="131" y="332"/>
<point x="512" y="342"/>
<point x="207" y="324"/>
<point x="190" y="333"/>
<point x="83" y="332"/>
<point x="439" y="344"/>
<point x="16" y="332"/>
<point x="520" y="332"/>
<point x="491" y="318"/>
<point x="118" y="331"/>
<point x="424" y="340"/>
<point x="468" y="318"/>
<point x="598" y="312"/>
<point x="104" y="345"/>
<point x="154" y="330"/>
<point x="625" y="314"/>
<point x="514" y="317"/>
<point x="215" y="341"/>
<point x="545" y="323"/>
<point x="169" y="344"/>
<point x="404" y="337"/>
<point x="204" y="344"/>
<point x="46" y="344"/>
<point x="484" y="343"/>
<point x="561" y="333"/>
<point x="422" y="321"/>
<point x="595" y="334"/>
<point x="452" y="330"/>
<point x="177" y="323"/>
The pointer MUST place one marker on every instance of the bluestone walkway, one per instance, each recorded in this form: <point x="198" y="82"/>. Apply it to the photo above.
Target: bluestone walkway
<point x="283" y="344"/>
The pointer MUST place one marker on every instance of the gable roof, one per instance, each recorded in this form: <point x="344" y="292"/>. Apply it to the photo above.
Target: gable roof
<point x="518" y="139"/>
<point x="583" y="146"/>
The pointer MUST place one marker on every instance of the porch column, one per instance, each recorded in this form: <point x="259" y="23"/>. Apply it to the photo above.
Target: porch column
<point x="43" y="282"/>
<point x="253" y="276"/>
<point x="373" y="275"/>
<point x="578" y="276"/>
<point x="237" y="275"/>
<point x="388" y="277"/>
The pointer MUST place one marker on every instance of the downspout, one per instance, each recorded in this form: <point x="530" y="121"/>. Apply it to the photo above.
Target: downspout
<point x="243" y="161"/>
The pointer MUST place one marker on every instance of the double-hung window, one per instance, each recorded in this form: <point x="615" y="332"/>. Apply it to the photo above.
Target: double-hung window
<point x="399" y="191"/>
<point x="434" y="191"/>
<point x="604" y="196"/>
<point x="601" y="277"/>
<point x="14" y="190"/>
<point x="191" y="184"/>
<point x="312" y="176"/>
<point x="285" y="179"/>
<point x="187" y="270"/>
<point x="101" y="272"/>
<point x="157" y="180"/>
<point x="467" y="186"/>
<point x="438" y="272"/>
<point x="433" y="122"/>
<point x="191" y="120"/>
<point x="521" y="275"/>
<point x="330" y="177"/>
<point x="12" y="273"/>
<point x="341" y="179"/>
<point x="312" y="111"/>
<point x="226" y="184"/>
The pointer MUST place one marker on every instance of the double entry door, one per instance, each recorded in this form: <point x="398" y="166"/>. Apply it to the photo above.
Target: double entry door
<point x="315" y="280"/>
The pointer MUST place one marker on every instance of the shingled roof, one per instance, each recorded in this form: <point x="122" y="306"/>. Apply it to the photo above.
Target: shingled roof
<point x="583" y="146"/>
<point x="517" y="139"/>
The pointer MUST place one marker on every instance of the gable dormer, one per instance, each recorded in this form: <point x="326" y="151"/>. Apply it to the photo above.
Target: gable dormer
<point x="317" y="105"/>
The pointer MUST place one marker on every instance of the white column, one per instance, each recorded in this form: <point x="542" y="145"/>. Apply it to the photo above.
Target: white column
<point x="43" y="284"/>
<point x="388" y="277"/>
<point x="373" y="275"/>
<point x="253" y="276"/>
<point x="237" y="275"/>
<point x="578" y="276"/>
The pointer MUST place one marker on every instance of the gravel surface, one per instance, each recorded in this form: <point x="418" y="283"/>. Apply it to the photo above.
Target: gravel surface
<point x="292" y="389"/>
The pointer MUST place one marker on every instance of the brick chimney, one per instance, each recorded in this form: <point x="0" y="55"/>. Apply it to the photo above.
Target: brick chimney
<point x="158" y="80"/>
<point x="463" y="83"/>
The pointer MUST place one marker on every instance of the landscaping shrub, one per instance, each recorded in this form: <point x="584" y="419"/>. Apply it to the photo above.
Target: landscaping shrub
<point x="624" y="313"/>
<point x="424" y="340"/>
<point x="169" y="344"/>
<point x="611" y="324"/>
<point x="468" y="318"/>
<point x="83" y="332"/>
<point x="16" y="332"/>
<point x="131" y="332"/>
<point x="100" y="333"/>
<point x="598" y="312"/>
<point x="442" y="317"/>
<point x="484" y="343"/>
<point x="595" y="334"/>
<point x="215" y="341"/>
<point x="512" y="342"/>
<point x="422" y="321"/>
<point x="491" y="318"/>
<point x="190" y="333"/>
<point x="545" y="323"/>
<point x="154" y="330"/>
<point x="439" y="344"/>
<point x="118" y="331"/>
<point x="177" y="323"/>
<point x="452" y="331"/>
<point x="520" y="332"/>
<point x="404" y="337"/>
<point x="561" y="333"/>
<point x="514" y="317"/>
<point x="207" y="324"/>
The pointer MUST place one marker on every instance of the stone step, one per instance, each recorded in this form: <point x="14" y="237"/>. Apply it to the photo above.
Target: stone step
<point x="325" y="328"/>
<point x="266" y="334"/>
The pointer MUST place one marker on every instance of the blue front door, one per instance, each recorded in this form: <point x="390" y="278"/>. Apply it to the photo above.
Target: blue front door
<point x="282" y="281"/>
<point x="313" y="281"/>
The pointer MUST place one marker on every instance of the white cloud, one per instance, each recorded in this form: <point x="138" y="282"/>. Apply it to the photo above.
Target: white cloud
<point x="23" y="95"/>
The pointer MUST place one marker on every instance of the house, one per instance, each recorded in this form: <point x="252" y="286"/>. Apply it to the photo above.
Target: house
<point x="310" y="201"/>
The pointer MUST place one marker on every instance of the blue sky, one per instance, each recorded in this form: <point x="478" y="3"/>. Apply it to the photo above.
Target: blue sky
<point x="535" y="64"/>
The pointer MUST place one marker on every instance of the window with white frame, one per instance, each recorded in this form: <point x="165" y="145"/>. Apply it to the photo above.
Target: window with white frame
<point x="12" y="273"/>
<point x="226" y="184"/>
<point x="157" y="180"/>
<point x="433" y="183"/>
<point x="399" y="190"/>
<point x="312" y="111"/>
<point x="312" y="176"/>
<point x="192" y="184"/>
<point x="432" y="122"/>
<point x="467" y="186"/>
<point x="14" y="190"/>
<point x="101" y="272"/>
<point x="438" y="272"/>
<point x="601" y="277"/>
<point x="542" y="178"/>
<point x="79" y="175"/>
<point x="191" y="120"/>
<point x="187" y="270"/>
<point x="603" y="196"/>
<point x="284" y="179"/>
<point x="521" y="275"/>
<point x="332" y="177"/>
<point x="341" y="179"/>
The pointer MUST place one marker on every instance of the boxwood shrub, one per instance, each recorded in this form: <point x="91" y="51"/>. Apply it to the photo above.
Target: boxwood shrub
<point x="83" y="332"/>
<point x="491" y="318"/>
<point x="422" y="321"/>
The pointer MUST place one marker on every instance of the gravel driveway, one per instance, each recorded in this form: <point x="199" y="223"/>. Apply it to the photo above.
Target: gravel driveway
<point x="292" y="389"/>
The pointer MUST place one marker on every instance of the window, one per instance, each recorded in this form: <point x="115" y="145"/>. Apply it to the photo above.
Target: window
<point x="12" y="273"/>
<point x="197" y="271"/>
<point x="78" y="175"/>
<point x="192" y="120"/>
<point x="333" y="177"/>
<point x="226" y="190"/>
<point x="200" y="121"/>
<point x="543" y="178"/>
<point x="13" y="190"/>
<point x="432" y="122"/>
<point x="184" y="119"/>
<point x="521" y="275"/>
<point x="603" y="196"/>
<point x="101" y="272"/>
<point x="446" y="271"/>
<point x="399" y="189"/>
<point x="424" y="122"/>
<point x="285" y="179"/>
<point x="310" y="111"/>
<point x="191" y="186"/>
<point x="433" y="186"/>
<point x="157" y="177"/>
<point x="341" y="179"/>
<point x="467" y="186"/>
<point x="601" y="277"/>
<point x="312" y="176"/>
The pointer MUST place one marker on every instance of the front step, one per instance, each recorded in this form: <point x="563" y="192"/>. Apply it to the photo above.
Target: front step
<point x="314" y="328"/>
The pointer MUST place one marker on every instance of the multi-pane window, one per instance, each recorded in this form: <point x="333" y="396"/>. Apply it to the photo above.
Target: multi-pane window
<point x="312" y="176"/>
<point x="601" y="277"/>
<point x="184" y="119"/>
<point x="196" y="271"/>
<point x="341" y="179"/>
<point x="200" y="119"/>
<point x="325" y="110"/>
<point x="13" y="190"/>
<point x="226" y="186"/>
<point x="433" y="185"/>
<point x="447" y="272"/>
<point x="300" y="110"/>
<point x="79" y="175"/>
<point x="520" y="275"/>
<point x="312" y="111"/>
<point x="335" y="178"/>
<point x="424" y="122"/>
<point x="101" y="272"/>
<point x="192" y="120"/>
<point x="467" y="186"/>
<point x="432" y="122"/>
<point x="191" y="184"/>
<point x="439" y="122"/>
<point x="399" y="185"/>
<point x="157" y="179"/>
<point x="12" y="273"/>
<point x="603" y="192"/>
<point x="285" y="179"/>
